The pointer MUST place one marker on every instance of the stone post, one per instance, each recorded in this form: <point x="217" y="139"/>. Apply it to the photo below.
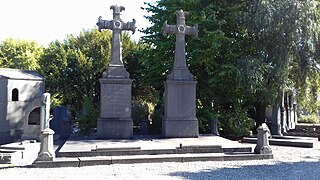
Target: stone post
<point x="262" y="146"/>
<point x="115" y="85"/>
<point x="214" y="126"/>
<point x="47" y="152"/>
<point x="276" y="120"/>
<point x="144" y="126"/>
<point x="180" y="89"/>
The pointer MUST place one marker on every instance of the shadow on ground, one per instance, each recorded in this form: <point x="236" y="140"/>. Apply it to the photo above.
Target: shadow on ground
<point x="294" y="170"/>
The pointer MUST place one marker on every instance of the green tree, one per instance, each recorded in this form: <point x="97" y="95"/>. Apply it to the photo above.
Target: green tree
<point x="246" y="53"/>
<point x="20" y="54"/>
<point x="283" y="36"/>
<point x="73" y="68"/>
<point x="211" y="56"/>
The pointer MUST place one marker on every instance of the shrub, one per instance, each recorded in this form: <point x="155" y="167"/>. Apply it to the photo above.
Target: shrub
<point x="311" y="118"/>
<point x="88" y="121"/>
<point x="235" y="124"/>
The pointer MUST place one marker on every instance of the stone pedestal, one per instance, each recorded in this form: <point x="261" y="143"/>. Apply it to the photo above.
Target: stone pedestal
<point x="144" y="127"/>
<point x="276" y="121"/>
<point x="180" y="109"/>
<point x="262" y="146"/>
<point x="214" y="127"/>
<point x="115" y="120"/>
<point x="46" y="149"/>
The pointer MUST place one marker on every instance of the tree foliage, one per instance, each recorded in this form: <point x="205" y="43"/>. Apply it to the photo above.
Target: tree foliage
<point x="283" y="36"/>
<point x="20" y="54"/>
<point x="73" y="69"/>
<point x="246" y="53"/>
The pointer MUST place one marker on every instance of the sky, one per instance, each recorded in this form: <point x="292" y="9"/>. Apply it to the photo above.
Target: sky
<point x="48" y="20"/>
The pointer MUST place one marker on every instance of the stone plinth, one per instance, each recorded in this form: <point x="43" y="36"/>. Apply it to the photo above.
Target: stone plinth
<point x="46" y="149"/>
<point x="115" y="120"/>
<point x="180" y="109"/>
<point x="262" y="146"/>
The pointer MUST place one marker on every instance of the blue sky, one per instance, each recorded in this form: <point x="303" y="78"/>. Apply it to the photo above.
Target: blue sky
<point x="48" y="20"/>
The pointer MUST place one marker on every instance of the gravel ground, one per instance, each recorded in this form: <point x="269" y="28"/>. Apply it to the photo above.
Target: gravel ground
<point x="288" y="163"/>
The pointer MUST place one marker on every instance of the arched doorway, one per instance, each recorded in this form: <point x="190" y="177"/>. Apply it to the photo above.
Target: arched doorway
<point x="34" y="117"/>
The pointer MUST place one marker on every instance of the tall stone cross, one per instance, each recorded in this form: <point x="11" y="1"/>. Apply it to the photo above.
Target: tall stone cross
<point x="180" y="70"/>
<point x="116" y="68"/>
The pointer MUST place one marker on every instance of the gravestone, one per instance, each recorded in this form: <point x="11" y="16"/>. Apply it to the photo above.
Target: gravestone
<point x="144" y="126"/>
<point x="115" y="85"/>
<point x="60" y="123"/>
<point x="214" y="126"/>
<point x="180" y="88"/>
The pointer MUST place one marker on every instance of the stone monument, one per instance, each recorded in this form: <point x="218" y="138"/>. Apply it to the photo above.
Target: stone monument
<point x="47" y="152"/>
<point x="262" y="146"/>
<point x="180" y="88"/>
<point x="115" y="85"/>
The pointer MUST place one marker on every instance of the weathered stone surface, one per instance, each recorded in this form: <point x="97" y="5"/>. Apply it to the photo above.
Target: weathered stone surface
<point x="116" y="68"/>
<point x="180" y="109"/>
<point x="47" y="152"/>
<point x="180" y="89"/>
<point x="115" y="98"/>
<point x="115" y="114"/>
<point x="262" y="146"/>
<point x="114" y="128"/>
<point x="214" y="126"/>
<point x="180" y="70"/>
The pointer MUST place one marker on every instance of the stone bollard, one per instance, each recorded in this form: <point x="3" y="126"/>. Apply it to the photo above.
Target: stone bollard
<point x="46" y="150"/>
<point x="214" y="127"/>
<point x="144" y="126"/>
<point x="262" y="146"/>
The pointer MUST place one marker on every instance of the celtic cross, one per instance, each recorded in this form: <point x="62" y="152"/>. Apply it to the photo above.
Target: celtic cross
<point x="180" y="70"/>
<point x="116" y="68"/>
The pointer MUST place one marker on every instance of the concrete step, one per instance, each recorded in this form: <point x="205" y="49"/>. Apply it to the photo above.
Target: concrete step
<point x="130" y="159"/>
<point x="19" y="153"/>
<point x="294" y="141"/>
<point x="124" y="151"/>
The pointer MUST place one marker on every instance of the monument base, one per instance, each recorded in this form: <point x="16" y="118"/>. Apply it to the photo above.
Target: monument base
<point x="115" y="120"/>
<point x="180" y="109"/>
<point x="180" y="128"/>
<point x="114" y="128"/>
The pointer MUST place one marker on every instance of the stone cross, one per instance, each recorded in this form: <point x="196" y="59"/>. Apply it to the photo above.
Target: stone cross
<point x="180" y="69"/>
<point x="116" y="25"/>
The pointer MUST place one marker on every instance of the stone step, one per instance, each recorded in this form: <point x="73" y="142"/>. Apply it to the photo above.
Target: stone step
<point x="123" y="151"/>
<point x="19" y="153"/>
<point x="293" y="141"/>
<point x="9" y="156"/>
<point x="131" y="159"/>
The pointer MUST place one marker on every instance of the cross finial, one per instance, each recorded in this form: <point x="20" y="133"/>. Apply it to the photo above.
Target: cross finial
<point x="180" y="70"/>
<point x="116" y="68"/>
<point x="117" y="10"/>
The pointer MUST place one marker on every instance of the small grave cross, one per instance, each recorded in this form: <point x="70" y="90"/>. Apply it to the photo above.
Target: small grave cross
<point x="180" y="69"/>
<point x="116" y="25"/>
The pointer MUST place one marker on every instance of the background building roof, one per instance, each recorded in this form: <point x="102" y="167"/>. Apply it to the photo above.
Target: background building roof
<point x="6" y="73"/>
